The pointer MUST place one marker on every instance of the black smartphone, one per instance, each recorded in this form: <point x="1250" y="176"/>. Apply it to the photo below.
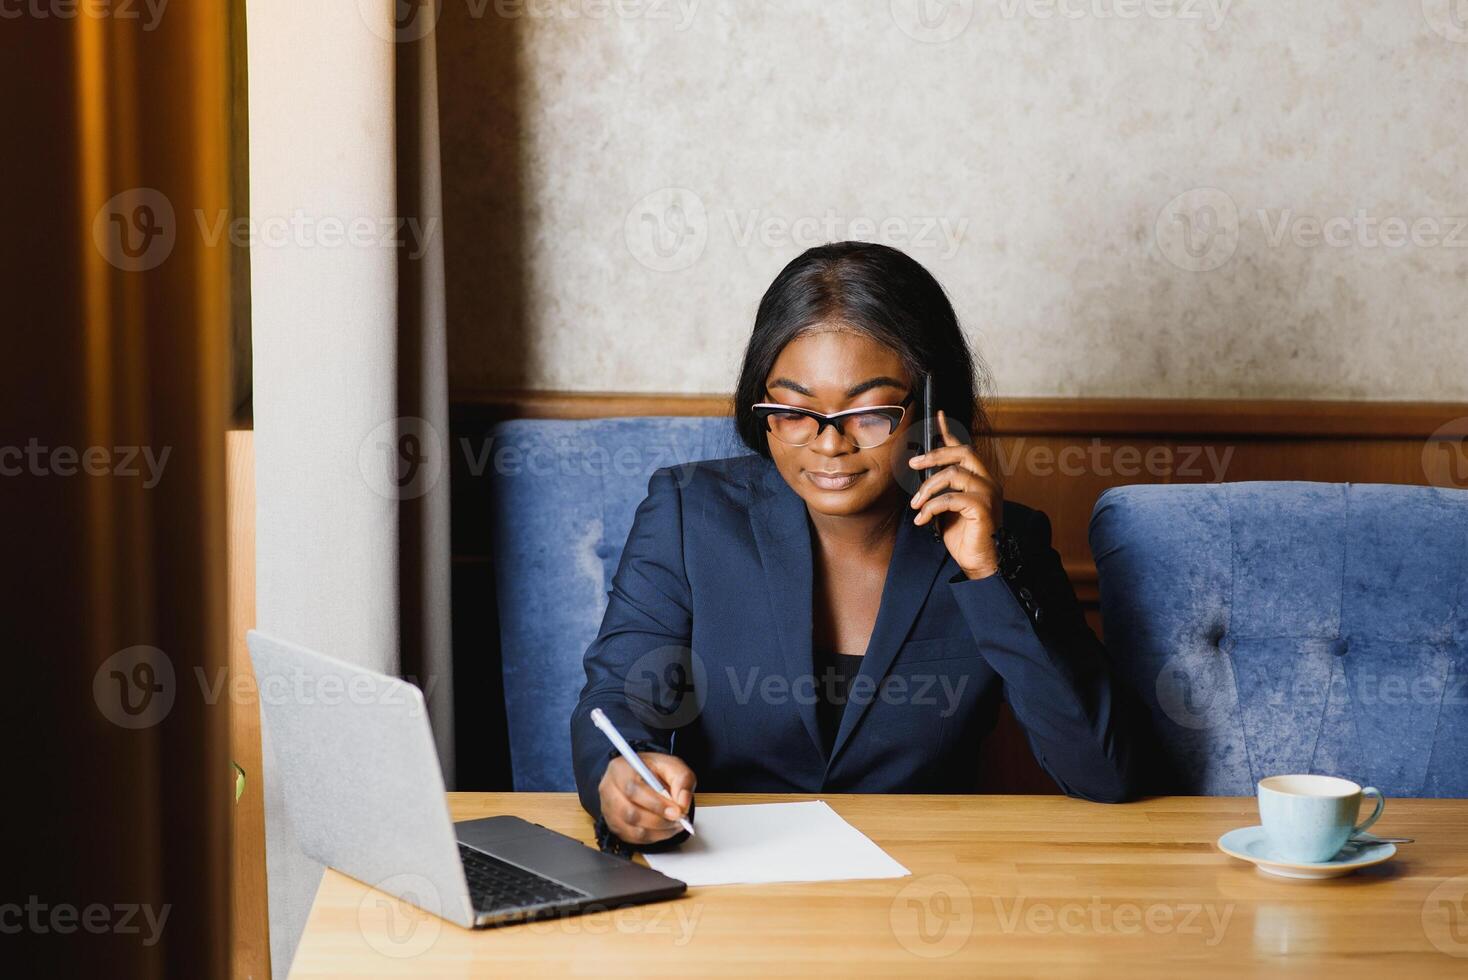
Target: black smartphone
<point x="930" y="442"/>
<point x="930" y="424"/>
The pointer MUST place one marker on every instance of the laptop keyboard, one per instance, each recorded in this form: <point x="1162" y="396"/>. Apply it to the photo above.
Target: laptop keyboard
<point x="497" y="886"/>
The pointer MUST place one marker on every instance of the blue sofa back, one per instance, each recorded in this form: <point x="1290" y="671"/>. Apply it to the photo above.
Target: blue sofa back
<point x="563" y="498"/>
<point x="1293" y="627"/>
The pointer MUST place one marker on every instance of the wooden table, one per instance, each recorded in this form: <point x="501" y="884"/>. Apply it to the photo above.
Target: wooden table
<point x="1000" y="885"/>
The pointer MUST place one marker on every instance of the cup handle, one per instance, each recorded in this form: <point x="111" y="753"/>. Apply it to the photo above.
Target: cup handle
<point x="1371" y="791"/>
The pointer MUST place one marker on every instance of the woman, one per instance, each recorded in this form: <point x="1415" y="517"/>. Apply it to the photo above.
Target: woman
<point x="791" y="622"/>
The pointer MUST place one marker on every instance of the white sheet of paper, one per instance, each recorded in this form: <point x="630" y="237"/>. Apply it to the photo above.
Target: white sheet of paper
<point x="761" y="843"/>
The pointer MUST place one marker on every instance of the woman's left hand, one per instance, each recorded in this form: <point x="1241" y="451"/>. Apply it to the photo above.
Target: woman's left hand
<point x="973" y="496"/>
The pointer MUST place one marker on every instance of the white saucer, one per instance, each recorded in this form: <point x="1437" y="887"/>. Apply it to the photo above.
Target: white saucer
<point x="1250" y="844"/>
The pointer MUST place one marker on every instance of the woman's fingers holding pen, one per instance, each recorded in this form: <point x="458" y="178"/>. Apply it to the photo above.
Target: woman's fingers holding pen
<point x="676" y="775"/>
<point x="624" y="809"/>
<point x="637" y="813"/>
<point x="638" y="792"/>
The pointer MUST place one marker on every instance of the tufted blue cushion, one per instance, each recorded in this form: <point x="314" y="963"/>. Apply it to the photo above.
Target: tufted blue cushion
<point x="1293" y="627"/>
<point x="564" y="494"/>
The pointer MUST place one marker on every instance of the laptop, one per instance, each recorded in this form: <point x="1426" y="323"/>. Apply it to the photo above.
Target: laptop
<point x="364" y="795"/>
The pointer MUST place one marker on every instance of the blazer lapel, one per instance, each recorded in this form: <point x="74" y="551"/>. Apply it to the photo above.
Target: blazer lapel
<point x="782" y="533"/>
<point x="916" y="558"/>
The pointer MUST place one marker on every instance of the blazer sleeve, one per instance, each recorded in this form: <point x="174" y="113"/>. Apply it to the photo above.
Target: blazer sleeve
<point x="642" y="648"/>
<point x="1057" y="676"/>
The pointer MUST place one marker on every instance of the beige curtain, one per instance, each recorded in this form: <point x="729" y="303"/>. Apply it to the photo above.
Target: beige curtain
<point x="350" y="395"/>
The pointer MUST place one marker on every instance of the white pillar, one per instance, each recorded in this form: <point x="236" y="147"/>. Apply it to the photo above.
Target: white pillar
<point x="324" y="316"/>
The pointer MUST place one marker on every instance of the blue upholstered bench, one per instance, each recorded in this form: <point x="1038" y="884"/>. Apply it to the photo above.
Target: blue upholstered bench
<point x="1293" y="627"/>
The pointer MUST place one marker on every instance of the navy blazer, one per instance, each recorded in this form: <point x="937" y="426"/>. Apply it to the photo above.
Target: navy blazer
<point x="705" y="652"/>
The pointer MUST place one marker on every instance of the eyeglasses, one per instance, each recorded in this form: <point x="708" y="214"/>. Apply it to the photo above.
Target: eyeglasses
<point x="867" y="428"/>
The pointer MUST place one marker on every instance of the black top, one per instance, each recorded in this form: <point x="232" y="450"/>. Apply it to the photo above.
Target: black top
<point x="834" y="672"/>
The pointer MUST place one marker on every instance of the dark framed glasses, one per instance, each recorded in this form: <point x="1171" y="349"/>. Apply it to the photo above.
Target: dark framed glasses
<point x="866" y="428"/>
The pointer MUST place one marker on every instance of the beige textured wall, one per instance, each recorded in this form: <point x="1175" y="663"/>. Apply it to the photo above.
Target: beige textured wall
<point x="1262" y="198"/>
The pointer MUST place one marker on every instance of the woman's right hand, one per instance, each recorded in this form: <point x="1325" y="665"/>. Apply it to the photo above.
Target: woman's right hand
<point x="633" y="811"/>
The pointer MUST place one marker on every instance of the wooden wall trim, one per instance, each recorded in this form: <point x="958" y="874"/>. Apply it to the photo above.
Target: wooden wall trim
<point x="1037" y="416"/>
<point x="1085" y="580"/>
<point x="524" y="404"/>
<point x="1223" y="417"/>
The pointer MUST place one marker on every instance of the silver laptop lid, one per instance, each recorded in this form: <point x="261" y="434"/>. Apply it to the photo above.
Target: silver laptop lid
<point x="363" y="790"/>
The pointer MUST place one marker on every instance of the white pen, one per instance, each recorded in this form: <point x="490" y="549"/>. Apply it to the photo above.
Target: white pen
<point x="600" y="720"/>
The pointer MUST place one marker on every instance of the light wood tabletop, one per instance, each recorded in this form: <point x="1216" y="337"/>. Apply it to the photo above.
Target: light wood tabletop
<point x="1000" y="886"/>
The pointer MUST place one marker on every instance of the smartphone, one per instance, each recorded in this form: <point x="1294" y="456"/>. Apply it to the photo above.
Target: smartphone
<point x="930" y="442"/>
<point x="930" y="424"/>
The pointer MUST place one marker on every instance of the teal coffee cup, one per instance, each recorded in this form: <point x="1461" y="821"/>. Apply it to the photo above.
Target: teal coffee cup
<point x="1308" y="819"/>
